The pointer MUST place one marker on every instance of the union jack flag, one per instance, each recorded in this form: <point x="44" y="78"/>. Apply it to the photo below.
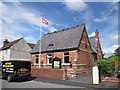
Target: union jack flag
<point x="44" y="21"/>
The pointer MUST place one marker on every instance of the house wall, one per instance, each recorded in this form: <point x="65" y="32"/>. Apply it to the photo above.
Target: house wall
<point x="20" y="51"/>
<point x="81" y="62"/>
<point x="72" y="55"/>
<point x="5" y="54"/>
<point x="44" y="63"/>
<point x="85" y="56"/>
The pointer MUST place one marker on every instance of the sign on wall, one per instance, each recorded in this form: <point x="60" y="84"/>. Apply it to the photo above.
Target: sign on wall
<point x="56" y="63"/>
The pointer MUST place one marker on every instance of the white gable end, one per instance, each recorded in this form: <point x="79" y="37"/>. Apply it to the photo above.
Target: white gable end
<point x="20" y="51"/>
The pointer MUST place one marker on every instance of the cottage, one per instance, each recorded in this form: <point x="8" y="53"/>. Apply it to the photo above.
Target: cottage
<point x="72" y="46"/>
<point x="16" y="50"/>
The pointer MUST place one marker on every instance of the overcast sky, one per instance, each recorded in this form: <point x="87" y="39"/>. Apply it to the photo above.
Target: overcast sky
<point x="20" y="19"/>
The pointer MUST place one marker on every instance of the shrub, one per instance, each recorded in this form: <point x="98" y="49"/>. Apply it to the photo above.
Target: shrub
<point x="107" y="66"/>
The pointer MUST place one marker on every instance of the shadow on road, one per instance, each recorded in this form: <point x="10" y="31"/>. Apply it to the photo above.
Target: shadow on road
<point x="23" y="80"/>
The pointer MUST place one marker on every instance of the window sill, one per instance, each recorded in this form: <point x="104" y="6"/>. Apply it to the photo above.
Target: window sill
<point x="36" y="64"/>
<point x="49" y="64"/>
<point x="66" y="64"/>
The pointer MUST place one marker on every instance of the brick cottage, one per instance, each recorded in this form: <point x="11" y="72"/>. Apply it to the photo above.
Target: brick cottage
<point x="72" y="46"/>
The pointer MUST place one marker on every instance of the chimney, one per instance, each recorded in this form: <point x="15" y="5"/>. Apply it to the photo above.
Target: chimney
<point x="97" y="34"/>
<point x="5" y="42"/>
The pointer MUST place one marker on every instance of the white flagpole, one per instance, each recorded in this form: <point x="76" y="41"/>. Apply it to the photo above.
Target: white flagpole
<point x="40" y="47"/>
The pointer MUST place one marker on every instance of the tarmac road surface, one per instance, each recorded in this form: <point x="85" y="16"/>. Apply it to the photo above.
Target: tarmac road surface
<point x="33" y="84"/>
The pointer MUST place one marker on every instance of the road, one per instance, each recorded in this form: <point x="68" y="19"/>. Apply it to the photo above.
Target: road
<point x="33" y="84"/>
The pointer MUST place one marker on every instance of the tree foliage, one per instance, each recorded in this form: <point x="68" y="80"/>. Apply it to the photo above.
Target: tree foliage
<point x="107" y="66"/>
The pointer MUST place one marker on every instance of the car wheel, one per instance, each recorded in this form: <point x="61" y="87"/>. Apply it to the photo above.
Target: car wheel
<point x="10" y="78"/>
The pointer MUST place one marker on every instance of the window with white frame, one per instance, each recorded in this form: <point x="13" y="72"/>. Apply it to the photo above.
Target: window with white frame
<point x="36" y="59"/>
<point x="49" y="58"/>
<point x="66" y="57"/>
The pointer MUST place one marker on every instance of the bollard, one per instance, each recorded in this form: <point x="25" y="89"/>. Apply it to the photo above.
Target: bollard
<point x="95" y="75"/>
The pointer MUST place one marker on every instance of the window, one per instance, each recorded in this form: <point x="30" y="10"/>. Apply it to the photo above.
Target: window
<point x="36" y="59"/>
<point x="49" y="58"/>
<point x="51" y="44"/>
<point x="66" y="57"/>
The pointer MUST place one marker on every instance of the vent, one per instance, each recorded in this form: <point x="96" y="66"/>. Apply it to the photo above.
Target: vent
<point x="51" y="44"/>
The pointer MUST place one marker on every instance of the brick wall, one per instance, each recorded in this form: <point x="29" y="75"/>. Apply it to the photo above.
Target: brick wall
<point x="86" y="58"/>
<point x="117" y="64"/>
<point x="59" y="74"/>
<point x="85" y="55"/>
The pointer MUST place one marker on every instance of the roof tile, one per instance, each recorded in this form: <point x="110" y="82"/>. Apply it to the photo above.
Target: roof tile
<point x="65" y="39"/>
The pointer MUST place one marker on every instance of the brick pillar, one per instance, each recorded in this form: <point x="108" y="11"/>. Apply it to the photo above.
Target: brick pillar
<point x="97" y="34"/>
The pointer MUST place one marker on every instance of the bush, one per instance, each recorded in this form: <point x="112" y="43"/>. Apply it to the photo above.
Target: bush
<point x="107" y="66"/>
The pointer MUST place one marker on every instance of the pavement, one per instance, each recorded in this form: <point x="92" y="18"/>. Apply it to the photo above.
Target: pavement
<point x="111" y="81"/>
<point x="78" y="84"/>
<point x="87" y="78"/>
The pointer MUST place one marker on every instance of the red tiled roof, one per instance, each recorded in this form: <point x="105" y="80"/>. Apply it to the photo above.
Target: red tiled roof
<point x="8" y="45"/>
<point x="31" y="45"/>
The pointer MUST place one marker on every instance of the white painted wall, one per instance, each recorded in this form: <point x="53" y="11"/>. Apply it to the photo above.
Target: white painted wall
<point x="5" y="54"/>
<point x="0" y="55"/>
<point x="20" y="51"/>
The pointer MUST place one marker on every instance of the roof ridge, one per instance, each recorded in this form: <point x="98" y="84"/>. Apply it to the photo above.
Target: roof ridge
<point x="64" y="29"/>
<point x="16" y="40"/>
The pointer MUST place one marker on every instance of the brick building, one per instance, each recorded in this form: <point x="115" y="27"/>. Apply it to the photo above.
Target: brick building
<point x="76" y="50"/>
